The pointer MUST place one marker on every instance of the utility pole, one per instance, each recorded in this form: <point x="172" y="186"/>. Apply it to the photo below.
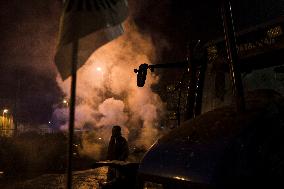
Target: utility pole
<point x="16" y="106"/>
<point x="231" y="45"/>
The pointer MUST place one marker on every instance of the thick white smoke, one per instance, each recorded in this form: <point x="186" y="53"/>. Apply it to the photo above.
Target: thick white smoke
<point x="107" y="93"/>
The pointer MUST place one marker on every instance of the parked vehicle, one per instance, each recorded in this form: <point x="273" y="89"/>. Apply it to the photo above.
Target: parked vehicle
<point x="224" y="144"/>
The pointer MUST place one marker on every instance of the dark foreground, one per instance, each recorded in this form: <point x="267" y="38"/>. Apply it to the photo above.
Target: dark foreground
<point x="91" y="178"/>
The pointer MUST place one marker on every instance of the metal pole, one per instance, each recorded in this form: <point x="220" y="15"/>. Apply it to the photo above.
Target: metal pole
<point x="72" y="113"/>
<point x="230" y="39"/>
<point x="199" y="86"/>
<point x="191" y="90"/>
<point x="16" y="107"/>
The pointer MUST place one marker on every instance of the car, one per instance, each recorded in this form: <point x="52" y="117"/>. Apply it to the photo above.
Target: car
<point x="220" y="144"/>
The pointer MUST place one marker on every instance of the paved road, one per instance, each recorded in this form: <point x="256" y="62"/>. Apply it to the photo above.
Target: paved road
<point x="88" y="179"/>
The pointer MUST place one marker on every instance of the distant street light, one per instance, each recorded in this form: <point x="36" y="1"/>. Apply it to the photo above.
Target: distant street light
<point x="101" y="80"/>
<point x="99" y="69"/>
<point x="65" y="102"/>
<point x="5" y="111"/>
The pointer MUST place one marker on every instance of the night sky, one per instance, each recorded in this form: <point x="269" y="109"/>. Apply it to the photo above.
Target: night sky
<point x="28" y="31"/>
<point x="27" y="47"/>
<point x="27" y="43"/>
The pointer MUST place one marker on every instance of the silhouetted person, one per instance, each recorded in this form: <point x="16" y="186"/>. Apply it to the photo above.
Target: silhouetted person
<point x="117" y="150"/>
<point x="118" y="146"/>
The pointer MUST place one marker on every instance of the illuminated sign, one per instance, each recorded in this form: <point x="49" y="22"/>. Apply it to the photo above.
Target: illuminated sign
<point x="251" y="43"/>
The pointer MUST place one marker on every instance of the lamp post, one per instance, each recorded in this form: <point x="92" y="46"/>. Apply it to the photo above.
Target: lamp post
<point x="99" y="69"/>
<point x="101" y="72"/>
<point x="65" y="102"/>
<point x="5" y="111"/>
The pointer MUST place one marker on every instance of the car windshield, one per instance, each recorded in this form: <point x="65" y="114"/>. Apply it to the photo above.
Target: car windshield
<point x="218" y="93"/>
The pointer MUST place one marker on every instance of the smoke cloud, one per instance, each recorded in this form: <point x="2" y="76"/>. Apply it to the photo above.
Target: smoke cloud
<point x="107" y="94"/>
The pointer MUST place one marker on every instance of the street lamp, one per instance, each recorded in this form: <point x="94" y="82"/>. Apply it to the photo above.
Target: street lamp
<point x="101" y="79"/>
<point x="65" y="102"/>
<point x="5" y="111"/>
<point x="99" y="69"/>
<point x="100" y="72"/>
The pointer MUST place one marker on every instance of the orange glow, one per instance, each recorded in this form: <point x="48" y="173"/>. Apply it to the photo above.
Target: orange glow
<point x="109" y="95"/>
<point x="99" y="69"/>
